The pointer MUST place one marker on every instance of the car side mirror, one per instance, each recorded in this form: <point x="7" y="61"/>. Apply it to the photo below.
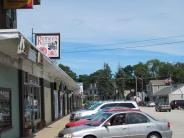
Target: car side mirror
<point x="106" y="124"/>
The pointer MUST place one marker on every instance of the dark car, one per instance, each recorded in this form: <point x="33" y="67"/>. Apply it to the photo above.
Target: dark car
<point x="161" y="106"/>
<point x="177" y="104"/>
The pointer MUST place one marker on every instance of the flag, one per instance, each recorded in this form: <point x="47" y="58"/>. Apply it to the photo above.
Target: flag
<point x="168" y="81"/>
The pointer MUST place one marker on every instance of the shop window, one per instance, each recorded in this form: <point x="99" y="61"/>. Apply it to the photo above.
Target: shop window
<point x="32" y="105"/>
<point x="5" y="109"/>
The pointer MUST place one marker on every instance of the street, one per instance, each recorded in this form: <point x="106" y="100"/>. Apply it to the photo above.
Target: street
<point x="175" y="117"/>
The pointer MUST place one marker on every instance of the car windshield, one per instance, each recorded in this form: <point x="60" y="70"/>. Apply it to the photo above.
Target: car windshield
<point x="94" y="106"/>
<point x="90" y="117"/>
<point x="88" y="105"/>
<point x="99" y="119"/>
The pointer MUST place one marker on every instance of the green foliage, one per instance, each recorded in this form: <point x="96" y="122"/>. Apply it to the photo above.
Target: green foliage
<point x="103" y="79"/>
<point x="67" y="69"/>
<point x="124" y="78"/>
<point x="85" y="79"/>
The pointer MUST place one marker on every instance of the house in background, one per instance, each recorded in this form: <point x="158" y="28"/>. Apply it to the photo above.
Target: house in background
<point x="154" y="86"/>
<point x="92" y="92"/>
<point x="170" y="93"/>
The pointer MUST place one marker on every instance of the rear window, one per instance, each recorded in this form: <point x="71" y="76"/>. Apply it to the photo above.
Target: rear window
<point x="94" y="106"/>
<point x="128" y="105"/>
<point x="108" y="105"/>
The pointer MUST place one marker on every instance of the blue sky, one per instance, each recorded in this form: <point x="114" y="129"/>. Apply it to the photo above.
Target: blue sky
<point x="109" y="24"/>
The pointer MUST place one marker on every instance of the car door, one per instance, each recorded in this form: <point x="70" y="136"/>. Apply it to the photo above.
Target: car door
<point x="139" y="125"/>
<point x="116" y="128"/>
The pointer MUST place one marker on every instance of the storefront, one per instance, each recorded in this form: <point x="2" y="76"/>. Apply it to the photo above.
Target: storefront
<point x="9" y="102"/>
<point x="31" y="102"/>
<point x="30" y="97"/>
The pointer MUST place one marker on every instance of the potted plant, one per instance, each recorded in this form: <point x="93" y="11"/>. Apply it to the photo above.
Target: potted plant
<point x="28" y="129"/>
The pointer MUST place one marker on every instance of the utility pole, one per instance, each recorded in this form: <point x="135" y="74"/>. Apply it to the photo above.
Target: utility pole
<point x="32" y="35"/>
<point x="136" y="87"/>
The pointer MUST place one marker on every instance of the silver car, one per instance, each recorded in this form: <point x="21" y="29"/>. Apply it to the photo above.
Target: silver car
<point x="129" y="124"/>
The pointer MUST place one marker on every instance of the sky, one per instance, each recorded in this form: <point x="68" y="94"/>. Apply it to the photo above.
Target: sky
<point x="116" y="32"/>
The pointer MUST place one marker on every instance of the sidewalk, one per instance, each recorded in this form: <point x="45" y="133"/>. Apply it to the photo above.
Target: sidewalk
<point x="52" y="130"/>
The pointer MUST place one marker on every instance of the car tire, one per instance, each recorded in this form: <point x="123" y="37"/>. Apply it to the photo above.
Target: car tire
<point x="89" y="136"/>
<point x="154" y="135"/>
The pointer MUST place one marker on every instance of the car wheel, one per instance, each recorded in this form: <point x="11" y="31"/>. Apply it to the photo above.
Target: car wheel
<point x="154" y="135"/>
<point x="90" y="136"/>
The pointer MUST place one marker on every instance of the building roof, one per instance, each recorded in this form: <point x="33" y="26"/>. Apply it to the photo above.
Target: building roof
<point x="9" y="41"/>
<point x="157" y="82"/>
<point x="168" y="90"/>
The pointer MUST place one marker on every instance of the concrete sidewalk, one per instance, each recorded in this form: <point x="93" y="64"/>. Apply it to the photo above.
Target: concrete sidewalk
<point x="52" y="130"/>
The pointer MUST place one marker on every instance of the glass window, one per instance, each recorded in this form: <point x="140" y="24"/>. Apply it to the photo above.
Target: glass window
<point x="136" y="118"/>
<point x="108" y="105"/>
<point x="94" y="106"/>
<point x="5" y="108"/>
<point x="32" y="105"/>
<point x="129" y="105"/>
<point x="99" y="119"/>
<point x="119" y="119"/>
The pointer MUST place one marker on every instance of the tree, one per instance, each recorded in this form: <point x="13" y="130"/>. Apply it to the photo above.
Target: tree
<point x="178" y="73"/>
<point x="103" y="78"/>
<point x="153" y="67"/>
<point x="67" y="69"/>
<point x="85" y="79"/>
<point x="120" y="81"/>
<point x="129" y="77"/>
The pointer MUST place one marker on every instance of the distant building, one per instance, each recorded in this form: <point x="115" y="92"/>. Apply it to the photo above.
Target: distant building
<point x="92" y="92"/>
<point x="170" y="93"/>
<point x="80" y="85"/>
<point x="154" y="86"/>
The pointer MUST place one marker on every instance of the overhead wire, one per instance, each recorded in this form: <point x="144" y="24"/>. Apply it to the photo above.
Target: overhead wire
<point x="127" y="47"/>
<point x="138" y="41"/>
<point x="145" y="40"/>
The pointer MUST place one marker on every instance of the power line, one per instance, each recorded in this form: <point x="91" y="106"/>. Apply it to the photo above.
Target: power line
<point x="138" y="41"/>
<point x="125" y="48"/>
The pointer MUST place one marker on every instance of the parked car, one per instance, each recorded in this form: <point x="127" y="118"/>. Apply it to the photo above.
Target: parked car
<point x="127" y="124"/>
<point x="162" y="107"/>
<point x="150" y="104"/>
<point x="177" y="104"/>
<point x="101" y="105"/>
<point x="87" y="119"/>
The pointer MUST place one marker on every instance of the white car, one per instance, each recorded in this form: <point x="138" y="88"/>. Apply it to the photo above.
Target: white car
<point x="101" y="105"/>
<point x="151" y="104"/>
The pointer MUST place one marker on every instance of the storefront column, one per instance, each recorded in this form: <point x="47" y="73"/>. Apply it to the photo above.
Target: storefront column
<point x="42" y="99"/>
<point x="52" y="101"/>
<point x="21" y="101"/>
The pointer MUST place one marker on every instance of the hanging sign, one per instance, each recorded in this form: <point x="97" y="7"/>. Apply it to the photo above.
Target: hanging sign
<point x="49" y="44"/>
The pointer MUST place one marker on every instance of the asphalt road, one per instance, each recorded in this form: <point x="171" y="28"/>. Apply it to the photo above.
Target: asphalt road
<point x="175" y="117"/>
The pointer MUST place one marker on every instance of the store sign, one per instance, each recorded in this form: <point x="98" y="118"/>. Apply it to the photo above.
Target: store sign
<point x="49" y="44"/>
<point x="18" y="4"/>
